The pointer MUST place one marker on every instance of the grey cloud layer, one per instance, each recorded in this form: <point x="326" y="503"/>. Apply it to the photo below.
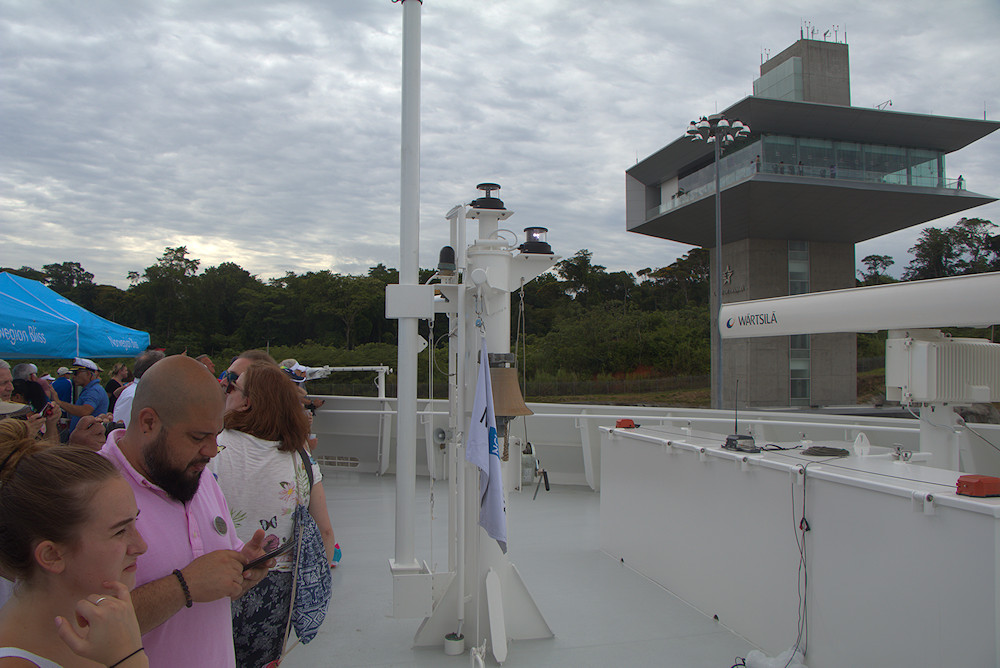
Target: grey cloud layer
<point x="267" y="133"/>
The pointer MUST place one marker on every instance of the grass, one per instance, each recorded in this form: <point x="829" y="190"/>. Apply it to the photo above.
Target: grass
<point x="871" y="389"/>
<point x="690" y="398"/>
<point x="871" y="386"/>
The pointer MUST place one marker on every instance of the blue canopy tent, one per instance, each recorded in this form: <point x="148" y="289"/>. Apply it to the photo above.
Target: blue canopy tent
<point x="36" y="322"/>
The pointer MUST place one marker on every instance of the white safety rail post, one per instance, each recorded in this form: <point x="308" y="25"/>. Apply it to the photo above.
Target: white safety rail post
<point x="383" y="414"/>
<point x="482" y="305"/>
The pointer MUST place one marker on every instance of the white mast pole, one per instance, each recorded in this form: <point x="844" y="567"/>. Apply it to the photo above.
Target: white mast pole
<point x="409" y="252"/>
<point x="456" y="352"/>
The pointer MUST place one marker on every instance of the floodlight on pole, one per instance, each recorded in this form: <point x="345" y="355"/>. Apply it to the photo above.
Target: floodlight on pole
<point x="716" y="129"/>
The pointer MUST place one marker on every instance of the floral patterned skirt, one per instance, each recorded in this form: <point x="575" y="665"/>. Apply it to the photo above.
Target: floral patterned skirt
<point x="259" y="619"/>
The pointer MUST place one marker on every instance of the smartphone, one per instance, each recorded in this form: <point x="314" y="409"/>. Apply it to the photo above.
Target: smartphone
<point x="111" y="426"/>
<point x="281" y="549"/>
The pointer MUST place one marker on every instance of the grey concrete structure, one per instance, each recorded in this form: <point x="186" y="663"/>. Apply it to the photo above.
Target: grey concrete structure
<point x="807" y="70"/>
<point x="815" y="177"/>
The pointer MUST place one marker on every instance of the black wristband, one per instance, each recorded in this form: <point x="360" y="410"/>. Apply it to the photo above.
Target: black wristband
<point x="187" y="592"/>
<point x="118" y="663"/>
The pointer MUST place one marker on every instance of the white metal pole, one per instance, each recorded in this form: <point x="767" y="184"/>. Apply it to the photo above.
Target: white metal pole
<point x="717" y="296"/>
<point x="456" y="350"/>
<point x="409" y="256"/>
<point x="460" y="367"/>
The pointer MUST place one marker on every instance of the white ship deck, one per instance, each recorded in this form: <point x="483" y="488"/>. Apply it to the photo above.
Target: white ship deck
<point x="602" y="612"/>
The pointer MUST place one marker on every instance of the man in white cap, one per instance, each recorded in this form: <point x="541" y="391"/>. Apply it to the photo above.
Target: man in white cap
<point x="93" y="400"/>
<point x="63" y="385"/>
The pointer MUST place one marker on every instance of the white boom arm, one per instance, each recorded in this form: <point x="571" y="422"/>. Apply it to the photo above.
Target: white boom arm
<point x="959" y="301"/>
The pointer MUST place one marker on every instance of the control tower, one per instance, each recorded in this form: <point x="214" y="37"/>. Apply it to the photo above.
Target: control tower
<point x="814" y="177"/>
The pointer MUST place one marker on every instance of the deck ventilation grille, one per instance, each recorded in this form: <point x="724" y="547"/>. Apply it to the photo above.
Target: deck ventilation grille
<point x="338" y="462"/>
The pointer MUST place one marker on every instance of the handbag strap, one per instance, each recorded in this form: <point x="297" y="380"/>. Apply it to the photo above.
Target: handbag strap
<point x="308" y="464"/>
<point x="298" y="559"/>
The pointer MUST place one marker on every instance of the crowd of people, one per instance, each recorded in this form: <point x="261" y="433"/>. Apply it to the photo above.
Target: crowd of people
<point x="128" y="536"/>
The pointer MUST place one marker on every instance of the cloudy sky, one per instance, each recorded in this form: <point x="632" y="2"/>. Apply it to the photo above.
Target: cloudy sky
<point x="266" y="132"/>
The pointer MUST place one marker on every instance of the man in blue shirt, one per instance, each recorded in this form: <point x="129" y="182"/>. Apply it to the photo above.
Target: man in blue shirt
<point x="63" y="385"/>
<point x="93" y="400"/>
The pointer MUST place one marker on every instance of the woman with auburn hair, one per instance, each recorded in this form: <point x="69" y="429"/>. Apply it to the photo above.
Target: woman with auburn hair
<point x="68" y="540"/>
<point x="264" y="478"/>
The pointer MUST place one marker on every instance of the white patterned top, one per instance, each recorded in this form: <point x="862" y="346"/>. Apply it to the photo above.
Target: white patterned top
<point x="262" y="486"/>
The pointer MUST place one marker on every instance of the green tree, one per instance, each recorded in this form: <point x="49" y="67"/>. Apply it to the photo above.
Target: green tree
<point x="972" y="237"/>
<point x="113" y="303"/>
<point x="345" y="300"/>
<point x="66" y="276"/>
<point x="544" y="299"/>
<point x="603" y="340"/>
<point x="617" y="286"/>
<point x="875" y="272"/>
<point x="71" y="281"/>
<point x="935" y="255"/>
<point x="266" y="314"/>
<point x="385" y="275"/>
<point x="219" y="293"/>
<point x="164" y="293"/>
<point x="965" y="248"/>
<point x="27" y="272"/>
<point x="580" y="275"/>
<point x="689" y="276"/>
<point x="685" y="282"/>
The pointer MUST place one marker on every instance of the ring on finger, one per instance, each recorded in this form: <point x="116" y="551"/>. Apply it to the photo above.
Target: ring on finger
<point x="98" y="601"/>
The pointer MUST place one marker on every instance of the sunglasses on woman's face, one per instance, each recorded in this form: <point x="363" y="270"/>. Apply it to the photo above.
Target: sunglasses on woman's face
<point x="230" y="377"/>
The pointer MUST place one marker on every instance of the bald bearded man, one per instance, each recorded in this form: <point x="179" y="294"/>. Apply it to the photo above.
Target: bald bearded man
<point x="195" y="563"/>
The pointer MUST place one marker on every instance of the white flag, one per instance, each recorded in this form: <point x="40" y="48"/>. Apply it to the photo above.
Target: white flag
<point x="483" y="451"/>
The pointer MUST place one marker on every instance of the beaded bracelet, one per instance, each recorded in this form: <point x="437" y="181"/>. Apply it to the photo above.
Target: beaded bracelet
<point x="184" y="585"/>
<point x="118" y="663"/>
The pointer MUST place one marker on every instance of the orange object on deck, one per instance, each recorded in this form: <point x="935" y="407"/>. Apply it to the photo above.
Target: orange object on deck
<point x="978" y="485"/>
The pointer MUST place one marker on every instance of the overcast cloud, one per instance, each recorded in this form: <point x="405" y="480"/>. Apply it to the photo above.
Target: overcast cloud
<point x="266" y="132"/>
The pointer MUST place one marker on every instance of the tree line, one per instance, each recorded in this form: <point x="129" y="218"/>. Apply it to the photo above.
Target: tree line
<point x="577" y="321"/>
<point x="968" y="247"/>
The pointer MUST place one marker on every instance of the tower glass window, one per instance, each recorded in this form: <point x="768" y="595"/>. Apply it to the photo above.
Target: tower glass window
<point x="779" y="154"/>
<point x="798" y="370"/>
<point x="798" y="345"/>
<point x="850" y="161"/>
<point x="926" y="168"/>
<point x="816" y="156"/>
<point x="798" y="267"/>
<point x="886" y="163"/>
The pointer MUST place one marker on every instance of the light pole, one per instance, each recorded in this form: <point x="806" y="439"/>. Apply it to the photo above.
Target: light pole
<point x="716" y="129"/>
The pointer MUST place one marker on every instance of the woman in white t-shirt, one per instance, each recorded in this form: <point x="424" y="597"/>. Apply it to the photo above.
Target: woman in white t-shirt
<point x="68" y="540"/>
<point x="263" y="478"/>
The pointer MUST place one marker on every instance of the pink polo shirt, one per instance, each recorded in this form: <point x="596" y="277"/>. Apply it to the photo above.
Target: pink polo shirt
<point x="176" y="534"/>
